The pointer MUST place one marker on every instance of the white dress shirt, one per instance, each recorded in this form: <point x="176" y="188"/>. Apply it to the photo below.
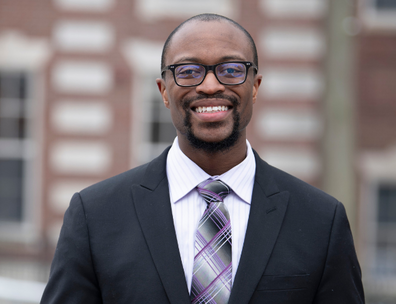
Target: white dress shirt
<point x="188" y="206"/>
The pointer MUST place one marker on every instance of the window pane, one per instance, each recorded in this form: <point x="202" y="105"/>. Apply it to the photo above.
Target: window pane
<point x="21" y="127"/>
<point x="155" y="130"/>
<point x="386" y="231"/>
<point x="11" y="190"/>
<point x="162" y="129"/>
<point x="13" y="123"/>
<point x="22" y="87"/>
<point x="385" y="4"/>
<point x="387" y="204"/>
<point x="9" y="128"/>
<point x="167" y="132"/>
<point x="12" y="105"/>
<point x="12" y="85"/>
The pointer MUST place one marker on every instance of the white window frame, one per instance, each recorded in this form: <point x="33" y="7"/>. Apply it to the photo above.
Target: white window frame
<point x="376" y="168"/>
<point x="20" y="148"/>
<point x="144" y="58"/>
<point x="374" y="19"/>
<point x="149" y="149"/>
<point x="152" y="10"/>
<point x="26" y="55"/>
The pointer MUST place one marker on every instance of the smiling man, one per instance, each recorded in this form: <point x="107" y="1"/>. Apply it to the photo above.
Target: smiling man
<point x="210" y="87"/>
<point x="207" y="221"/>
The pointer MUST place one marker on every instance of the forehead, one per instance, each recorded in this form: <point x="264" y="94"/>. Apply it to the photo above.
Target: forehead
<point x="209" y="42"/>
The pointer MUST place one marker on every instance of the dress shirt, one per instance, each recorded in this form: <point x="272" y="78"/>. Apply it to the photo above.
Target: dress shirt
<point x="188" y="206"/>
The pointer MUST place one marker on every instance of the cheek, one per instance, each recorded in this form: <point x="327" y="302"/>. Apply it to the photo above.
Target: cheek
<point x="178" y="116"/>
<point x="246" y="116"/>
<point x="246" y="110"/>
<point x="178" y="113"/>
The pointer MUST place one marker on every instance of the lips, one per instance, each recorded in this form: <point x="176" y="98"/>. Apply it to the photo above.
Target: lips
<point x="211" y="105"/>
<point x="211" y="109"/>
<point x="214" y="108"/>
<point x="211" y="112"/>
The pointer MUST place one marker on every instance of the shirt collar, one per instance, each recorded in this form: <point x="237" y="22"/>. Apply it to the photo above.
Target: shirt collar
<point x="241" y="177"/>
<point x="184" y="175"/>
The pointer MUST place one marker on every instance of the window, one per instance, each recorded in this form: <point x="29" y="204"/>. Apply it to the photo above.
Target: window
<point x="376" y="238"/>
<point x="159" y="129"/>
<point x="379" y="14"/>
<point x="151" y="124"/>
<point x="159" y="9"/>
<point x="385" y="5"/>
<point x="13" y="136"/>
<point x="386" y="231"/>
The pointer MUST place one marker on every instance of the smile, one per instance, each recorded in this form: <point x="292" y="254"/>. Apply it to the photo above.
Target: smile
<point x="212" y="109"/>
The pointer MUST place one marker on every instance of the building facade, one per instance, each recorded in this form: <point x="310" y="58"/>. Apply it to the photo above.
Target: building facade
<point x="79" y="103"/>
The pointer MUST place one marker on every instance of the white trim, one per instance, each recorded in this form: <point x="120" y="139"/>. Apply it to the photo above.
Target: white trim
<point x="373" y="19"/>
<point x="152" y="10"/>
<point x="83" y="36"/>
<point x="21" y="53"/>
<point x="26" y="230"/>
<point x="144" y="58"/>
<point x="84" y="5"/>
<point x="21" y="290"/>
<point x="292" y="42"/>
<point x="80" y="157"/>
<point x="304" y="163"/>
<point x="377" y="168"/>
<point x="82" y="77"/>
<point x="303" y="9"/>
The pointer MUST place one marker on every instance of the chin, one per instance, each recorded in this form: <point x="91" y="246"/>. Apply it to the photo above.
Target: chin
<point x="214" y="146"/>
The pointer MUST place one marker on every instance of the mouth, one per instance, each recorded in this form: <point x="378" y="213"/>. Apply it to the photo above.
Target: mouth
<point x="211" y="112"/>
<point x="210" y="109"/>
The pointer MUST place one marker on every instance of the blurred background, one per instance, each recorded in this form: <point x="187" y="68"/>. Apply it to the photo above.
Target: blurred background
<point x="79" y="103"/>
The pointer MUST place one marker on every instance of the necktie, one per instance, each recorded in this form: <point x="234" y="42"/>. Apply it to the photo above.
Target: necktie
<point x="212" y="274"/>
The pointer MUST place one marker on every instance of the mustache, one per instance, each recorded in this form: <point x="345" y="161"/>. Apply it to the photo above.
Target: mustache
<point x="188" y="100"/>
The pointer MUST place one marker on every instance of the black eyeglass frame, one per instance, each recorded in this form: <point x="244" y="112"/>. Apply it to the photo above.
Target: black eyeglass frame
<point x="207" y="68"/>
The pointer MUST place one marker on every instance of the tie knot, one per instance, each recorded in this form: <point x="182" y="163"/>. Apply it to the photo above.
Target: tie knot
<point x="213" y="190"/>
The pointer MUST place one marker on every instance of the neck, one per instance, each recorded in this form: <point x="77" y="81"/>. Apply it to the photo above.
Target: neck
<point x="216" y="163"/>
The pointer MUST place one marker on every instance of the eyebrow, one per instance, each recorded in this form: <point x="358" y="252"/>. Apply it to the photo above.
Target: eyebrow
<point x="198" y="60"/>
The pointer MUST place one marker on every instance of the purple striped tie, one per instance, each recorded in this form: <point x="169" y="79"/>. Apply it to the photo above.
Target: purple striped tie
<point x="212" y="274"/>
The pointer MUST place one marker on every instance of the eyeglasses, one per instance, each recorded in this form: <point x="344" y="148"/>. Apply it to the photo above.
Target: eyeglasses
<point x="193" y="74"/>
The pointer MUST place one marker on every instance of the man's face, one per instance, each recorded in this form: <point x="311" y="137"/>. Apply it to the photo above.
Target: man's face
<point x="192" y="108"/>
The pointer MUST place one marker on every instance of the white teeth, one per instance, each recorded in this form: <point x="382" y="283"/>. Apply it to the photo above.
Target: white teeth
<point x="211" y="109"/>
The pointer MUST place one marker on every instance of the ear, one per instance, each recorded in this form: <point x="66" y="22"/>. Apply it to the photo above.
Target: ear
<point x="256" y="85"/>
<point x="162" y="88"/>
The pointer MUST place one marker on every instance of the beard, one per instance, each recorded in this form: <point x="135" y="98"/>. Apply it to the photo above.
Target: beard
<point x="218" y="146"/>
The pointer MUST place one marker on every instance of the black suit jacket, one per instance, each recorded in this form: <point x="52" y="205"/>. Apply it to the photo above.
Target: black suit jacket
<point x="118" y="244"/>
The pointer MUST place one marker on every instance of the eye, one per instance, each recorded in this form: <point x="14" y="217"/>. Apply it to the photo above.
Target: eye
<point x="189" y="71"/>
<point x="231" y="70"/>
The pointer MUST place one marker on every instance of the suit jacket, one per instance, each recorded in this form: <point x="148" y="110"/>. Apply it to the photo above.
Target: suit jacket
<point x="118" y="244"/>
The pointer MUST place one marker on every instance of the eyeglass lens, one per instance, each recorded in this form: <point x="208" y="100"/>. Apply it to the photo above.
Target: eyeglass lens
<point x="227" y="73"/>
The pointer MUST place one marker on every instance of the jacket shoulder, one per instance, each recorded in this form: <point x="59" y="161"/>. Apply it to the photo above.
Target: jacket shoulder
<point x="119" y="185"/>
<point x="300" y="192"/>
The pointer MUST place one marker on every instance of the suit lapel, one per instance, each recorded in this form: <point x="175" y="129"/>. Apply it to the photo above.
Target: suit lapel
<point x="152" y="204"/>
<point x="267" y="211"/>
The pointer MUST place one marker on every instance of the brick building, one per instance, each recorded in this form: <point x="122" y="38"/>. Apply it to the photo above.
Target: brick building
<point x="79" y="103"/>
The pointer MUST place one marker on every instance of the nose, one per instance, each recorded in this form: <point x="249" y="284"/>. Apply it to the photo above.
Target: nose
<point x="210" y="85"/>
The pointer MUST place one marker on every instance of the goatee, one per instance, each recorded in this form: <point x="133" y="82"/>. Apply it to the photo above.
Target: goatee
<point x="212" y="147"/>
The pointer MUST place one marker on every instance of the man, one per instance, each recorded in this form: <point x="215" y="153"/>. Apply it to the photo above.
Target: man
<point x="135" y="238"/>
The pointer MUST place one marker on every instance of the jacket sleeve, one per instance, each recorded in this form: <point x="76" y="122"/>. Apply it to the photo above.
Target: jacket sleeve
<point x="341" y="281"/>
<point x="72" y="277"/>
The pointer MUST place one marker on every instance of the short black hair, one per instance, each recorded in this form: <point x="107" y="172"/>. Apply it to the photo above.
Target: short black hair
<point x="208" y="18"/>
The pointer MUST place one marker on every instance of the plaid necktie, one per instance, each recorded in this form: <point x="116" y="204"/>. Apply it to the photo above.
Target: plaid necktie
<point x="212" y="274"/>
